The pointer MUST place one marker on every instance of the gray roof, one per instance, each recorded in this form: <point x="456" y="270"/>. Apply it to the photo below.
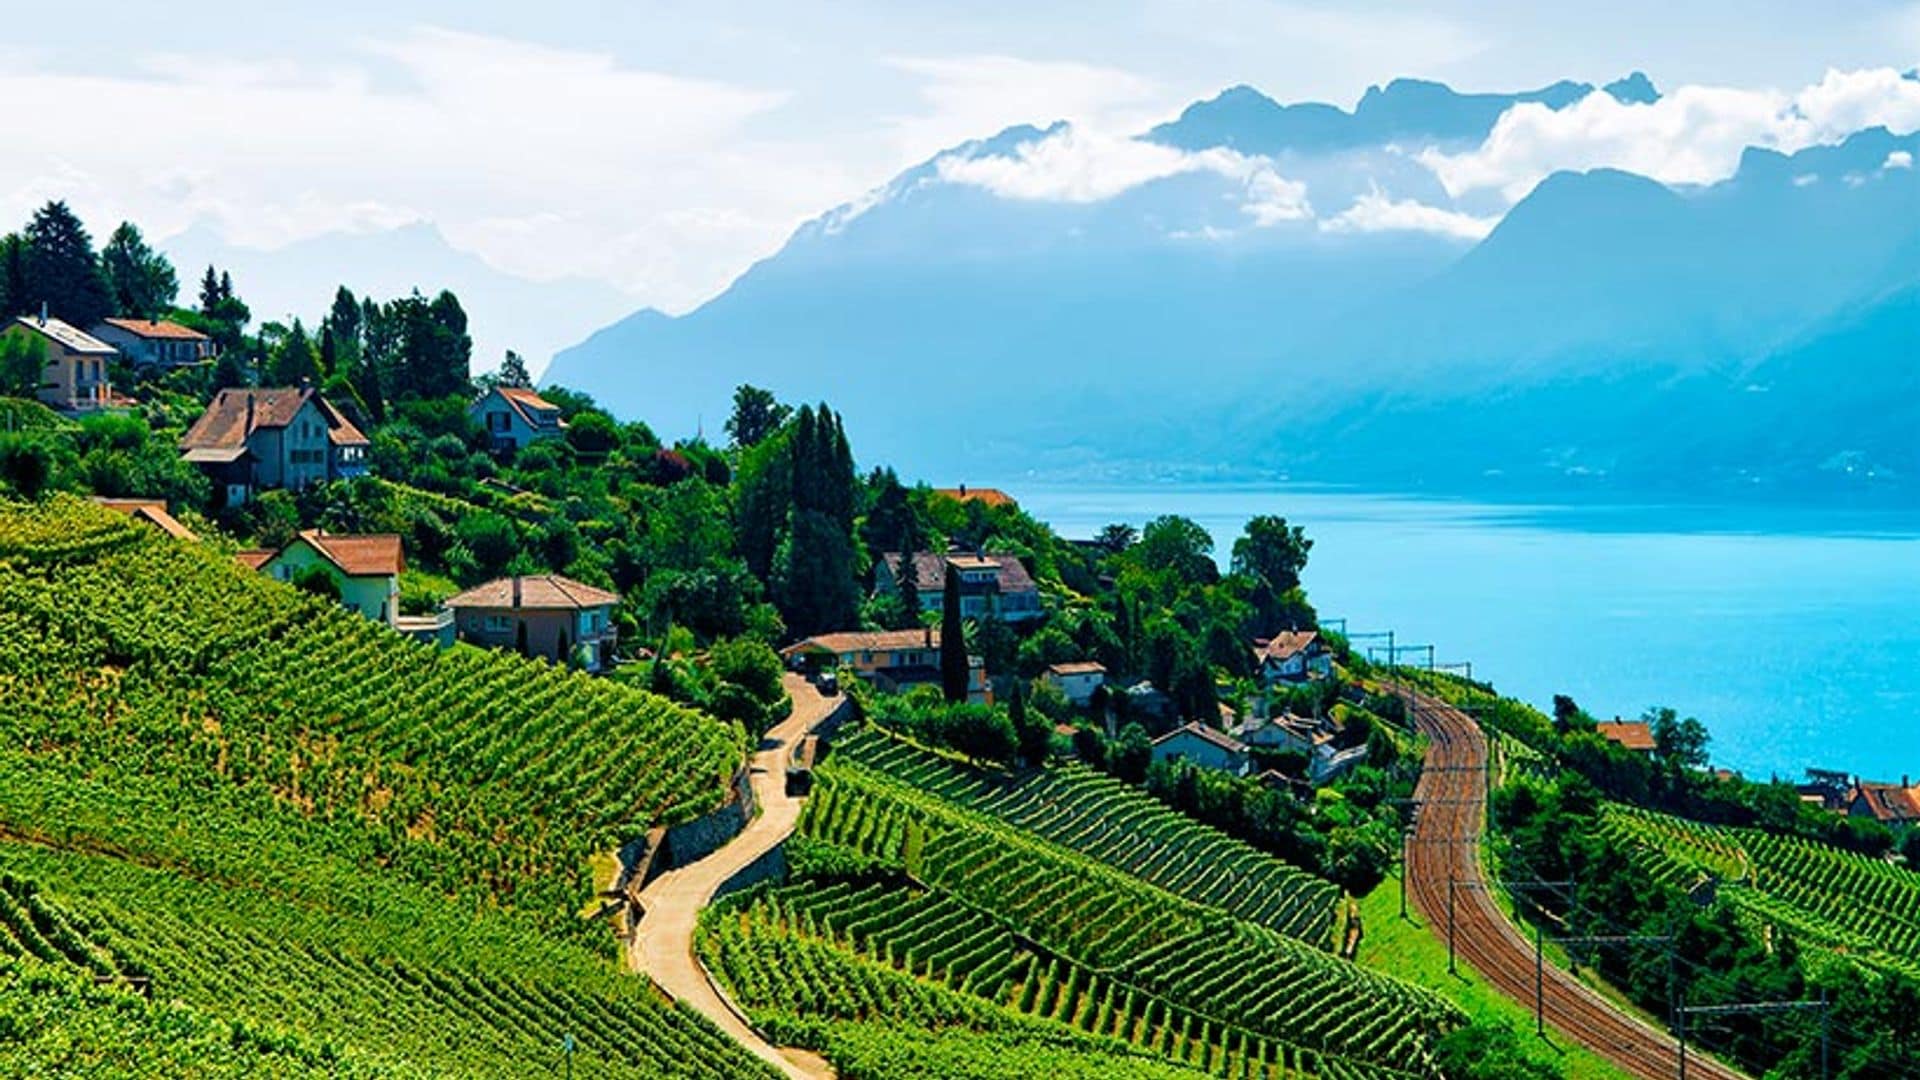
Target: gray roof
<point x="70" y="337"/>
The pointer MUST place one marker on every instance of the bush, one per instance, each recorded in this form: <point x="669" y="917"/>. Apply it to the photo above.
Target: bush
<point x="26" y="464"/>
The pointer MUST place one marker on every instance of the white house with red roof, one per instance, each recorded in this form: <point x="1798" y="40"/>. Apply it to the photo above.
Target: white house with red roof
<point x="366" y="568"/>
<point x="513" y="416"/>
<point x="1292" y="656"/>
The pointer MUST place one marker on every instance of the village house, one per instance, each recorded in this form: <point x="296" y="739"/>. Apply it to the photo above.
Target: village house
<point x="75" y="374"/>
<point x="255" y="439"/>
<point x="1318" y="740"/>
<point x="147" y="343"/>
<point x="991" y="585"/>
<point x="540" y="615"/>
<point x="1077" y="680"/>
<point x="894" y="660"/>
<point x="1293" y="656"/>
<point x="152" y="511"/>
<point x="365" y="568"/>
<point x="1888" y="804"/>
<point x="1204" y="747"/>
<point x="984" y="496"/>
<point x="513" y="416"/>
<point x="1634" y="735"/>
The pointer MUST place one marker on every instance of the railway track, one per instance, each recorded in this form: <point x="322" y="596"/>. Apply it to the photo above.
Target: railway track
<point x="1445" y="848"/>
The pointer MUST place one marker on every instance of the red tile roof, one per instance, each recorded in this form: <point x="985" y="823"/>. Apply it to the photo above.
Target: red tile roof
<point x="229" y="419"/>
<point x="152" y="511"/>
<point x="930" y="570"/>
<point x="1078" y="667"/>
<point x="368" y="555"/>
<point x="985" y="496"/>
<point x="1890" y="803"/>
<point x="1635" y="735"/>
<point x="1283" y="645"/>
<point x="847" y="641"/>
<point x="254" y="558"/>
<point x="534" y="592"/>
<point x="526" y="402"/>
<point x="165" y="329"/>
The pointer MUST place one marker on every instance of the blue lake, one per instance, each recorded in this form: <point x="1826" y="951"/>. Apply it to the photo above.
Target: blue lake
<point x="1794" y="635"/>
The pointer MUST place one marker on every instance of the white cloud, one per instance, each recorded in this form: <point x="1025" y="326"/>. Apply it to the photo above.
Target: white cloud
<point x="971" y="97"/>
<point x="1376" y="212"/>
<point x="1898" y="159"/>
<point x="1694" y="135"/>
<point x="545" y="162"/>
<point x="1074" y="165"/>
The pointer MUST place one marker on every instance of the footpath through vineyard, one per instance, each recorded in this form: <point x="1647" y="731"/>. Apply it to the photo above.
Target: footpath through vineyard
<point x="1446" y="847"/>
<point x="672" y="902"/>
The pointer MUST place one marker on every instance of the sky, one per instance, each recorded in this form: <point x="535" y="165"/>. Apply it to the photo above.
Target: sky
<point x="659" y="148"/>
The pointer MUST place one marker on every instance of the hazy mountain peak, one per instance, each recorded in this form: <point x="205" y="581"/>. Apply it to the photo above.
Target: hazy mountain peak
<point x="1634" y="89"/>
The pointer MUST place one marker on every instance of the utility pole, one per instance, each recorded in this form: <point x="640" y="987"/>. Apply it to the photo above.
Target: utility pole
<point x="1539" y="948"/>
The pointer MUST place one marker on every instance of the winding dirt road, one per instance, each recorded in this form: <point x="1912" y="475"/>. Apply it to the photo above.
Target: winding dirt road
<point x="1445" y="846"/>
<point x="671" y="903"/>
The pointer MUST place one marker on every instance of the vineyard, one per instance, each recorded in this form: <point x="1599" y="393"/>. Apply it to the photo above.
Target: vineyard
<point x="1064" y="899"/>
<point x="281" y="820"/>
<point x="1867" y="908"/>
<point x="1118" y="824"/>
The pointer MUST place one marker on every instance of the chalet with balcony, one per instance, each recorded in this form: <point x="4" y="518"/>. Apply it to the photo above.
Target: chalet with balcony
<point x="155" y="344"/>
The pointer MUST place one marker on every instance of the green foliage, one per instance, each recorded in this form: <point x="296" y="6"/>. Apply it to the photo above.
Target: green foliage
<point x="140" y="279"/>
<point x="23" y="363"/>
<point x="592" y="433"/>
<point x="27" y="463"/>
<point x="490" y="539"/>
<point x="422" y="593"/>
<point x="1487" y="1052"/>
<point x="61" y="270"/>
<point x="756" y="415"/>
<point x="319" y="581"/>
<point x="748" y="690"/>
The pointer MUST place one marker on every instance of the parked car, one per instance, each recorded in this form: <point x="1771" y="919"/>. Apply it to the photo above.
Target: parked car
<point x="828" y="683"/>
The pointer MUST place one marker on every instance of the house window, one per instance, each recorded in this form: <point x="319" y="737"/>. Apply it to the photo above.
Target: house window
<point x="499" y="624"/>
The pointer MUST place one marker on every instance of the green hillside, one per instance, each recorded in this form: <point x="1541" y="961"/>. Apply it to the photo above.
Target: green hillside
<point x="307" y="837"/>
<point x="916" y="868"/>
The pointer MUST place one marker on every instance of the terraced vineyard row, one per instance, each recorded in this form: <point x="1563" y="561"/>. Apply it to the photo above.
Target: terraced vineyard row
<point x="1105" y="923"/>
<point x="448" y="993"/>
<point x="474" y="771"/>
<point x="1119" y="825"/>
<point x="823" y="930"/>
<point x="1867" y="907"/>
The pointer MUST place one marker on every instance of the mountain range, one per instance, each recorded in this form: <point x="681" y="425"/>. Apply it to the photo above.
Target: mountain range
<point x="1271" y="291"/>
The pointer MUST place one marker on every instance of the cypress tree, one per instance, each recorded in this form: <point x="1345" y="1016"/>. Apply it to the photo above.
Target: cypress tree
<point x="953" y="641"/>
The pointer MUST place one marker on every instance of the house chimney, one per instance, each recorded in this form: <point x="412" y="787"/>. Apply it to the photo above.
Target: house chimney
<point x="516" y="590"/>
<point x="43" y="313"/>
<point x="929" y="631"/>
<point x="963" y="487"/>
<point x="248" y="430"/>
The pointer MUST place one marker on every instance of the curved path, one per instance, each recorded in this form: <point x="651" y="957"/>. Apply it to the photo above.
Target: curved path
<point x="1445" y="846"/>
<point x="671" y="903"/>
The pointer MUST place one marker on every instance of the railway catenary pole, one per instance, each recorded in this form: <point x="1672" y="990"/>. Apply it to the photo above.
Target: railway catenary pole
<point x="1539" y="948"/>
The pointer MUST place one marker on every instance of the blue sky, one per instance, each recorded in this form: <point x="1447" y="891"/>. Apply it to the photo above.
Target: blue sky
<point x="661" y="147"/>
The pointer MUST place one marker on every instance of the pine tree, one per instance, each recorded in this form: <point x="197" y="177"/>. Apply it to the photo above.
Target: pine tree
<point x="209" y="292"/>
<point x="62" y="271"/>
<point x="953" y="641"/>
<point x="13" y="275"/>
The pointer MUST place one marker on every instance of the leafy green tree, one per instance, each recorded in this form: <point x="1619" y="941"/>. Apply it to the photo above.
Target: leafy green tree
<point x="1272" y="551"/>
<point x="513" y="372"/>
<point x="1032" y="731"/>
<point x="316" y="580"/>
<point x="593" y="434"/>
<point x="26" y="463"/>
<point x="141" y="279"/>
<point x="291" y="361"/>
<point x="275" y="518"/>
<point x="1179" y="546"/>
<point x="981" y="732"/>
<point x="756" y="415"/>
<point x="1130" y="755"/>
<point x="953" y="641"/>
<point x="1117" y="538"/>
<point x="23" y="364"/>
<point x="61" y="269"/>
<point x="491" y="539"/>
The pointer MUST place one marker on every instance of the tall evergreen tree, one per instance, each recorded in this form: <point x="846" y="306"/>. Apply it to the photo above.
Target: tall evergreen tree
<point x="141" y="279"/>
<point x="513" y="371"/>
<point x="13" y="275"/>
<point x="62" y="270"/>
<point x="209" y="292"/>
<point x="953" y="641"/>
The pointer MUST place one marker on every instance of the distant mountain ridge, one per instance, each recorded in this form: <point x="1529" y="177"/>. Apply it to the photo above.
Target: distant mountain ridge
<point x="1168" y="327"/>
